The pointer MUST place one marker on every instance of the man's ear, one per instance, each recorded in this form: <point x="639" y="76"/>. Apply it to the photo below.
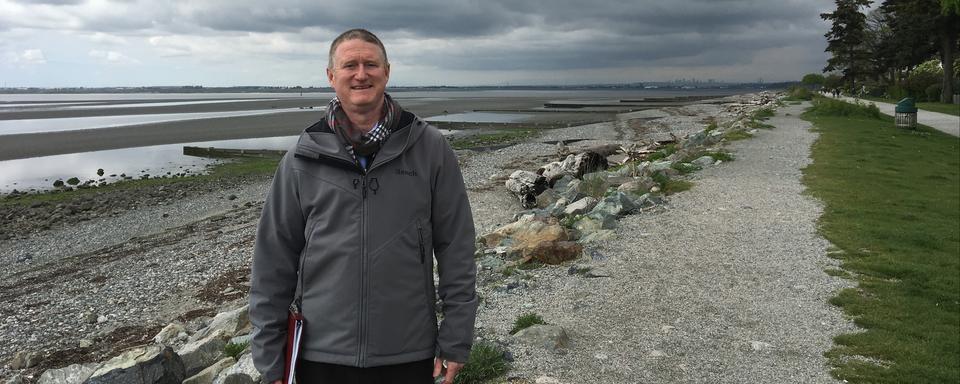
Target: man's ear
<point x="386" y="71"/>
<point x="330" y="76"/>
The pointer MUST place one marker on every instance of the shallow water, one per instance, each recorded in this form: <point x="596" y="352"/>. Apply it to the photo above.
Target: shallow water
<point x="9" y="127"/>
<point x="39" y="173"/>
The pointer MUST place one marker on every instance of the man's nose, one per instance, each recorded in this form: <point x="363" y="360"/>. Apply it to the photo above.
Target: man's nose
<point x="361" y="72"/>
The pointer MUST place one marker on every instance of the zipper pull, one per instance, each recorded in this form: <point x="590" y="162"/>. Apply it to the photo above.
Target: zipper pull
<point x="363" y="188"/>
<point x="355" y="182"/>
<point x="374" y="185"/>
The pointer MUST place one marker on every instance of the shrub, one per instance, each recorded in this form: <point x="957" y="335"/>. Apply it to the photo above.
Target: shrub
<point x="234" y="350"/>
<point x="933" y="92"/>
<point x="526" y="321"/>
<point x="486" y="362"/>
<point x="896" y="92"/>
<point x="799" y="93"/>
<point x="832" y="107"/>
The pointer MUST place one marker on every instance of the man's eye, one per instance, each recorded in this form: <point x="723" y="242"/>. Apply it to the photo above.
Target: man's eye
<point x="350" y="65"/>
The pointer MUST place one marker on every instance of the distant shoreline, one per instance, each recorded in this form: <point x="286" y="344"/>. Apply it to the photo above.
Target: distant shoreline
<point x="691" y="86"/>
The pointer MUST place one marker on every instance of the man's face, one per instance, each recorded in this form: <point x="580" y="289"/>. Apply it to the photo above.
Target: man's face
<point x="359" y="74"/>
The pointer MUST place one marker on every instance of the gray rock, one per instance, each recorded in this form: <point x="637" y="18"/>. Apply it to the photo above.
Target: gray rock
<point x="202" y="353"/>
<point x="704" y="161"/>
<point x="637" y="186"/>
<point x="210" y="373"/>
<point x="594" y="222"/>
<point x="24" y="359"/>
<point x="16" y="379"/>
<point x="85" y="343"/>
<point x="547" y="198"/>
<point x="169" y="334"/>
<point x="563" y="183"/>
<point x="243" y="372"/>
<point x="152" y="364"/>
<point x="660" y="166"/>
<point x="572" y="191"/>
<point x="24" y="258"/>
<point x="71" y="374"/>
<point x="616" y="204"/>
<point x="556" y="209"/>
<point x="550" y="337"/>
<point x="491" y="262"/>
<point x="580" y="207"/>
<point x="233" y="323"/>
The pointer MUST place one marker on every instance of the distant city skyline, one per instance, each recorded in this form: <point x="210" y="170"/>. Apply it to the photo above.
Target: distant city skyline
<point x="108" y="43"/>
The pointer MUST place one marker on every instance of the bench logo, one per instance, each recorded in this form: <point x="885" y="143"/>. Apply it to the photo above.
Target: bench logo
<point x="406" y="173"/>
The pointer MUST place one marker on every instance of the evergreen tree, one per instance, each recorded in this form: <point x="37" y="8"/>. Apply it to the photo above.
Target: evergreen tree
<point x="845" y="41"/>
<point x="922" y="29"/>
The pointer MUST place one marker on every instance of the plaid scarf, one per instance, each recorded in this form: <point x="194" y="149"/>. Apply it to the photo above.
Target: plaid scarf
<point x="363" y="146"/>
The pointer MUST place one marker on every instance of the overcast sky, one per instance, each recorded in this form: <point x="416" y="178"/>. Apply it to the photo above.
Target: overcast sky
<point x="51" y="43"/>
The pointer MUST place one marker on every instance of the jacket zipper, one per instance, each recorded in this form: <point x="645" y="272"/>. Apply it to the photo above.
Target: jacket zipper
<point x="362" y="336"/>
<point x="420" y="235"/>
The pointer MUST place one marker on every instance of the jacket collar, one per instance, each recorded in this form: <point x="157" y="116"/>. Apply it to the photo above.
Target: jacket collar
<point x="319" y="141"/>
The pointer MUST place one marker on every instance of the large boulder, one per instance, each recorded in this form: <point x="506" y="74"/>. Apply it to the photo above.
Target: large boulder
<point x="208" y="374"/>
<point x="152" y="364"/>
<point x="550" y="337"/>
<point x="533" y="238"/>
<point x="243" y="372"/>
<point x="232" y="323"/>
<point x="170" y="334"/>
<point x="593" y="222"/>
<point x="552" y="252"/>
<point x="71" y="374"/>
<point x="199" y="354"/>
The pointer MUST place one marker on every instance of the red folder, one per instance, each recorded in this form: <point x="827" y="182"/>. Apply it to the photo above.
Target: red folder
<point x="294" y="335"/>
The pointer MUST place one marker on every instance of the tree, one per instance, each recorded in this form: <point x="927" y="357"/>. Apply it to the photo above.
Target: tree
<point x="845" y="40"/>
<point x="812" y="80"/>
<point x="923" y="28"/>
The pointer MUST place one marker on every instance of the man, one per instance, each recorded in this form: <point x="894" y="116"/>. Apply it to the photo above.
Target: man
<point x="361" y="206"/>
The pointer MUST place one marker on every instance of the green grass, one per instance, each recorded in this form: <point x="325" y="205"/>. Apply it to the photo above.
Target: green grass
<point x="763" y="114"/>
<point x="832" y="107"/>
<point x="670" y="186"/>
<point x="486" y="362"/>
<point x="252" y="166"/>
<point x="526" y="321"/>
<point x="735" y="135"/>
<point x="505" y="137"/>
<point x="950" y="109"/>
<point x="234" y="350"/>
<point x="892" y="207"/>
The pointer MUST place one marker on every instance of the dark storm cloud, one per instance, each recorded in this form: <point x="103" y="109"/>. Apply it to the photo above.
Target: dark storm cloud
<point x="488" y="34"/>
<point x="614" y="34"/>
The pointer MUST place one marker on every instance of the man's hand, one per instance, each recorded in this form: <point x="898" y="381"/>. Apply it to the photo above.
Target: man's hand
<point x="448" y="369"/>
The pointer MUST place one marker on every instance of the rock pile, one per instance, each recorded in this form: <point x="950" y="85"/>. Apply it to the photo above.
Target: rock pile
<point x="219" y="353"/>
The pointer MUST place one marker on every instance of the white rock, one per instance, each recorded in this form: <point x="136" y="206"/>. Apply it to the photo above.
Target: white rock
<point x="656" y="353"/>
<point x="169" y="334"/>
<point x="547" y="380"/>
<point x="71" y="374"/>
<point x="759" y="345"/>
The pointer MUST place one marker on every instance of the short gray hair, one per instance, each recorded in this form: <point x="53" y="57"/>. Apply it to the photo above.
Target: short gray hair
<point x="358" y="34"/>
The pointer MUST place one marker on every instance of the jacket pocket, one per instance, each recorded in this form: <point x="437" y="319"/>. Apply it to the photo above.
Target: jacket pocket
<point x="398" y="319"/>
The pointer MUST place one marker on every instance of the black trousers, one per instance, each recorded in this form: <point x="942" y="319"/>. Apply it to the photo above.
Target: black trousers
<point x="417" y="372"/>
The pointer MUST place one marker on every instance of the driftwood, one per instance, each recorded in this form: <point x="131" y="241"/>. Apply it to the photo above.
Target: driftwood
<point x="526" y="186"/>
<point x="574" y="165"/>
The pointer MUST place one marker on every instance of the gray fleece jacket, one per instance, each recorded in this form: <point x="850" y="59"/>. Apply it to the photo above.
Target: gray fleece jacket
<point x="366" y="241"/>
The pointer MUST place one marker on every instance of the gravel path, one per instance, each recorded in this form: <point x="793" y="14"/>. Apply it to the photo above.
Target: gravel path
<point x="724" y="285"/>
